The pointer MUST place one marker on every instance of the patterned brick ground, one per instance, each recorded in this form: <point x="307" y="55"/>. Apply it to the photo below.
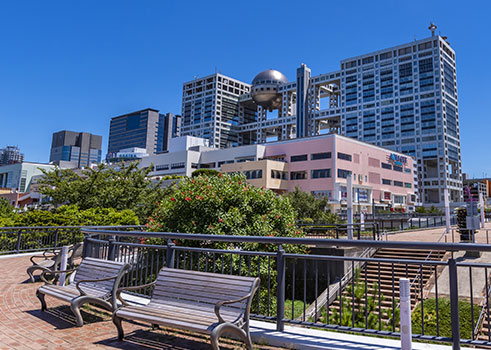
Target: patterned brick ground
<point x="24" y="326"/>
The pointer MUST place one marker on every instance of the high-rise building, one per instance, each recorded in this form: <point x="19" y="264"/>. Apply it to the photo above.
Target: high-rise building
<point x="403" y="98"/>
<point x="210" y="109"/>
<point x="11" y="155"/>
<point x="147" y="129"/>
<point x="75" y="149"/>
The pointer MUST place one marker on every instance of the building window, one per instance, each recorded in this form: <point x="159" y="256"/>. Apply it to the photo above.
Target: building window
<point x="320" y="173"/>
<point x="408" y="185"/>
<point x="386" y="166"/>
<point x="280" y="175"/>
<point x="317" y="156"/>
<point x="298" y="175"/>
<point x="397" y="168"/>
<point x="253" y="174"/>
<point x="162" y="167"/>
<point x="398" y="183"/>
<point x="299" y="158"/>
<point x="177" y="165"/>
<point x="386" y="182"/>
<point x="344" y="173"/>
<point x="344" y="156"/>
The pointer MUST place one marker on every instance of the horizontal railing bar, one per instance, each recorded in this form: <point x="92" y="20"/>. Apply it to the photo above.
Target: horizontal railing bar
<point x="299" y="241"/>
<point x="16" y="228"/>
<point x="353" y="258"/>
<point x="241" y="252"/>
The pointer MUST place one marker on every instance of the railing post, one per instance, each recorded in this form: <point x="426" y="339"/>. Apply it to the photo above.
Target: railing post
<point x="19" y="237"/>
<point x="170" y="256"/>
<point x="280" y="290"/>
<point x="111" y="254"/>
<point x="454" y="303"/>
<point x="85" y="249"/>
<point x="56" y="238"/>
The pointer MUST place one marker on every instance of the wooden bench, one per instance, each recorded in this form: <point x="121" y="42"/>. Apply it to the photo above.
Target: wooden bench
<point x="51" y="259"/>
<point x="96" y="281"/>
<point x="202" y="302"/>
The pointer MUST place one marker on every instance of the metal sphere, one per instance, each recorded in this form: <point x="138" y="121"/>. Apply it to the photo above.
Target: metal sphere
<point x="264" y="89"/>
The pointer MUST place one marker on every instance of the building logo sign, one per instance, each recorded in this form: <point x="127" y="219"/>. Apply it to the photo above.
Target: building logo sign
<point x="397" y="159"/>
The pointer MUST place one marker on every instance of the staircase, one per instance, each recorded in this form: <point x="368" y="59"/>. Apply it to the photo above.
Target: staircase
<point x="386" y="275"/>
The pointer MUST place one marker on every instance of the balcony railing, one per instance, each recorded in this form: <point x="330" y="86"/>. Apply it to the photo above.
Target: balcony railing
<point x="292" y="282"/>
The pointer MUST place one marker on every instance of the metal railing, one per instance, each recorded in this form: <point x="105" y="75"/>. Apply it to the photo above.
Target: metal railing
<point x="14" y="240"/>
<point x="292" y="280"/>
<point x="360" y="231"/>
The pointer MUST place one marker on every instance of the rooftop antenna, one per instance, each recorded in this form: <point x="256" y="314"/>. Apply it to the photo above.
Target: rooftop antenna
<point x="432" y="27"/>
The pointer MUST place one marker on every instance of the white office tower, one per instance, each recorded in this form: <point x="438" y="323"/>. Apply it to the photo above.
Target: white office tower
<point x="403" y="98"/>
<point x="210" y="108"/>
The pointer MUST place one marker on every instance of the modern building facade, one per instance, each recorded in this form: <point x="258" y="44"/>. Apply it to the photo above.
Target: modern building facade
<point x="319" y="165"/>
<point x="403" y="98"/>
<point x="210" y="109"/>
<point x="11" y="155"/>
<point x="19" y="176"/>
<point x="146" y="129"/>
<point x="127" y="155"/>
<point x="75" y="149"/>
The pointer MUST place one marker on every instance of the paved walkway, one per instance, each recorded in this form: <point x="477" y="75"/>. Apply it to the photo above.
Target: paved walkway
<point x="24" y="326"/>
<point x="433" y="234"/>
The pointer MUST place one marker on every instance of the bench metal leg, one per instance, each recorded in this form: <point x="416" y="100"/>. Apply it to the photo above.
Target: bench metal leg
<point x="41" y="299"/>
<point x="77" y="303"/>
<point x="231" y="329"/>
<point x="119" y="327"/>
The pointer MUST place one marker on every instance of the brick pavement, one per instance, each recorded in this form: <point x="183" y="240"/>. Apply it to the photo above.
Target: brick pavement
<point x="24" y="326"/>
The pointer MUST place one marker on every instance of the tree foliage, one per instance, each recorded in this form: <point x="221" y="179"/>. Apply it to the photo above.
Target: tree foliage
<point x="71" y="215"/>
<point x="205" y="172"/>
<point x="225" y="205"/>
<point x="127" y="187"/>
<point x="311" y="208"/>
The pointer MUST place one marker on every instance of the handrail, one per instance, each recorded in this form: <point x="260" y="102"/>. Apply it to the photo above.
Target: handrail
<point x="296" y="240"/>
<point x="481" y="315"/>
<point x="418" y="274"/>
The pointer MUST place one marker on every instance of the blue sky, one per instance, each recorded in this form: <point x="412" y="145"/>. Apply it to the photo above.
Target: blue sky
<point x="74" y="64"/>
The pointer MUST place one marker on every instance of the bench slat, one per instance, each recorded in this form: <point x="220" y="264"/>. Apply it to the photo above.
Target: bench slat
<point x="198" y="294"/>
<point x="163" y="281"/>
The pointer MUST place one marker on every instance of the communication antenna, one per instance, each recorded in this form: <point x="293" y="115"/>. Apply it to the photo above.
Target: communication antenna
<point x="432" y="27"/>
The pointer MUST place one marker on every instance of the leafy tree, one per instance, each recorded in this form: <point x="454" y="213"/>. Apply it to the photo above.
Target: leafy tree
<point x="6" y="210"/>
<point x="127" y="187"/>
<point x="205" y="172"/>
<point x="311" y="208"/>
<point x="227" y="205"/>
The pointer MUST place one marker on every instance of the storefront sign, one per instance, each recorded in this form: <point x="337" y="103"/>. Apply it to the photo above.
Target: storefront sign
<point x="397" y="159"/>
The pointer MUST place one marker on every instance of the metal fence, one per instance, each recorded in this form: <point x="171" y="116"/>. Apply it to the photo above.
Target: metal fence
<point x="449" y="299"/>
<point x="14" y="240"/>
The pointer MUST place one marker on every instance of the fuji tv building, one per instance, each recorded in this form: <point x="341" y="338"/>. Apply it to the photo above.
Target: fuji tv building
<point x="402" y="98"/>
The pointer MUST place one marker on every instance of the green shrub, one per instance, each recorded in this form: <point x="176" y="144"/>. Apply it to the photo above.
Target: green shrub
<point x="310" y="208"/>
<point x="444" y="318"/>
<point x="205" y="172"/>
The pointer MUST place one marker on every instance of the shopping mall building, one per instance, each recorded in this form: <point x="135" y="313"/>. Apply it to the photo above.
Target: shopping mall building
<point x="319" y="165"/>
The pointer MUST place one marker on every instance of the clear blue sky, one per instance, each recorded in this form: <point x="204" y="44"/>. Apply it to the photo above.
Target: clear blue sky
<point x="74" y="64"/>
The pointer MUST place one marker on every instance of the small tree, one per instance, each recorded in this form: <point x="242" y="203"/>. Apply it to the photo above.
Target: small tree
<point x="311" y="207"/>
<point x="125" y="188"/>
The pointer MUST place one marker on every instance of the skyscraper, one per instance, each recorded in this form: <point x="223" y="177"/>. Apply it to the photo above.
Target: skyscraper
<point x="146" y="129"/>
<point x="11" y="155"/>
<point x="210" y="109"/>
<point x="75" y="149"/>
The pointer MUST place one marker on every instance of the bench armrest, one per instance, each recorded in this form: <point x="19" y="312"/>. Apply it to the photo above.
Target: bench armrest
<point x="120" y="290"/>
<point x="219" y="304"/>
<point x="49" y="272"/>
<point x="94" y="280"/>
<point x="44" y="257"/>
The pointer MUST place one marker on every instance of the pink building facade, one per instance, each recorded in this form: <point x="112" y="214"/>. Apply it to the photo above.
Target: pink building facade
<point x="321" y="165"/>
